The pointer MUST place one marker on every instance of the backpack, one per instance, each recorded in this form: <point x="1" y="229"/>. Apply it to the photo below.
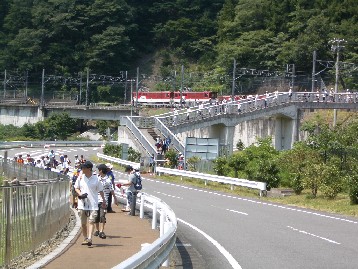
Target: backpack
<point x="138" y="184"/>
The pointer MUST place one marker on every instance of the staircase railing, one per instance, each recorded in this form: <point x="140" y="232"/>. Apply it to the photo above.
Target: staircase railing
<point x="138" y="135"/>
<point x="177" y="144"/>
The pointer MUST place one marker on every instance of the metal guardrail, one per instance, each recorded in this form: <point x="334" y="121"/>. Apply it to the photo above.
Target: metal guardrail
<point x="157" y="253"/>
<point x="117" y="160"/>
<point x="261" y="186"/>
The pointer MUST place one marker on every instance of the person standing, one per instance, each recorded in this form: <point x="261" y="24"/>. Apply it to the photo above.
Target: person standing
<point x="108" y="192"/>
<point x="110" y="175"/>
<point x="132" y="179"/>
<point x="88" y="187"/>
<point x="151" y="164"/>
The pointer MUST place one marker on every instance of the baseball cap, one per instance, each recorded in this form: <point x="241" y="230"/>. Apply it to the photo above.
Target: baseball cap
<point x="110" y="166"/>
<point x="87" y="164"/>
<point x="128" y="168"/>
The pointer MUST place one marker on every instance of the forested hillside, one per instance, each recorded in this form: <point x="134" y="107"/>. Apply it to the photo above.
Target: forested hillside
<point x="108" y="36"/>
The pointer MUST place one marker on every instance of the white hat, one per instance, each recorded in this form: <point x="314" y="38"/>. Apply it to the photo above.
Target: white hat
<point x="110" y="166"/>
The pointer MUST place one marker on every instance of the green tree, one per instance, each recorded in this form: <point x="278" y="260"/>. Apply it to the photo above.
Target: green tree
<point x="56" y="126"/>
<point x="220" y="166"/>
<point x="237" y="162"/>
<point x="262" y="163"/>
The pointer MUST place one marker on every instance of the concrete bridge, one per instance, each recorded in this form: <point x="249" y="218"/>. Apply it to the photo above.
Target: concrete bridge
<point x="19" y="114"/>
<point x="278" y="115"/>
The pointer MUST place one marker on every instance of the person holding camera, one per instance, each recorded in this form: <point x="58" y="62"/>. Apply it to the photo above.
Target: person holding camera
<point x="88" y="187"/>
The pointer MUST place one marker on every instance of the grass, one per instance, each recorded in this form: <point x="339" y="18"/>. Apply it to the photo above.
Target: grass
<point x="340" y="205"/>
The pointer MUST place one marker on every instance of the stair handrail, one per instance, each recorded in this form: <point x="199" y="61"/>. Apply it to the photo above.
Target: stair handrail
<point x="138" y="135"/>
<point x="167" y="133"/>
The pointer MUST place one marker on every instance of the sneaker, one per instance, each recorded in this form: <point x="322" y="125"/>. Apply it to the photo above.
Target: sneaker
<point x="89" y="242"/>
<point x="102" y="235"/>
<point x="111" y="211"/>
<point x="96" y="233"/>
<point x="85" y="242"/>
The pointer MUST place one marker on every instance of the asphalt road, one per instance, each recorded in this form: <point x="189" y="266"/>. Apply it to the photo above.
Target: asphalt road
<point x="225" y="231"/>
<point x="258" y="234"/>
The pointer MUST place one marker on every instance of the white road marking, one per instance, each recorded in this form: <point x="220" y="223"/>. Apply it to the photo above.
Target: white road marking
<point x="262" y="203"/>
<point x="222" y="250"/>
<point x="313" y="235"/>
<point x="231" y="210"/>
<point x="169" y="195"/>
<point x="238" y="212"/>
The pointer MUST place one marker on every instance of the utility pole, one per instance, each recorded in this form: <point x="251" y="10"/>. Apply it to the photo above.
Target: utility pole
<point x="5" y="84"/>
<point x="87" y="87"/>
<point x="181" y="85"/>
<point x="43" y="88"/>
<point x="132" y="98"/>
<point x="137" y="87"/>
<point x="233" y="81"/>
<point x="336" y="47"/>
<point x="80" y="99"/>
<point x="313" y="70"/>
<point x="125" y="89"/>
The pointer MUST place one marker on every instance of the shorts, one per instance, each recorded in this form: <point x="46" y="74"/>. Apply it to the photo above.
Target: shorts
<point x="90" y="214"/>
<point x="101" y="214"/>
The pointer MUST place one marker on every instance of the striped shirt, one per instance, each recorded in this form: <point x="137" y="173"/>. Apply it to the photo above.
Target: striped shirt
<point x="107" y="188"/>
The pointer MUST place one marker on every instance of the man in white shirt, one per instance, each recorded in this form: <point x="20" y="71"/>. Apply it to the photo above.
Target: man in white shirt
<point x="88" y="187"/>
<point x="108" y="191"/>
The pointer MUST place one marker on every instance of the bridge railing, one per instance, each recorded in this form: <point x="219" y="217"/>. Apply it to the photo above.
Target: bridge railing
<point x="252" y="103"/>
<point x="138" y="135"/>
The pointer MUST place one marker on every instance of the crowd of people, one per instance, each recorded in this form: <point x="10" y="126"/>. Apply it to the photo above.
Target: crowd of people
<point x="92" y="188"/>
<point x="92" y="194"/>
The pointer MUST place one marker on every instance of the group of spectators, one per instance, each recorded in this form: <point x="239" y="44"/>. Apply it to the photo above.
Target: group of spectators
<point x="162" y="145"/>
<point x="49" y="162"/>
<point x="94" y="191"/>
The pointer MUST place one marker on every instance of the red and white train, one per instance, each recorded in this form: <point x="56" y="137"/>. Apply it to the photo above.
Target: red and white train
<point x="172" y="97"/>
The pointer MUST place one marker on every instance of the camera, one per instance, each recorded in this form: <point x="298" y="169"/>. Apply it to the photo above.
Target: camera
<point x="83" y="196"/>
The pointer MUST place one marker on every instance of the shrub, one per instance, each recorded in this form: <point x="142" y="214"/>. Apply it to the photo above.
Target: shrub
<point x="353" y="188"/>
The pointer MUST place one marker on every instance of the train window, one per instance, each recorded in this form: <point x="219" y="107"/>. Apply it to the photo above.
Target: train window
<point x="167" y="95"/>
<point x="206" y="94"/>
<point x="171" y="95"/>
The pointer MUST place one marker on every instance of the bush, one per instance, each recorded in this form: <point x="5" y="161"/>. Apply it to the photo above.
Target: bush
<point x="297" y="185"/>
<point x="353" y="188"/>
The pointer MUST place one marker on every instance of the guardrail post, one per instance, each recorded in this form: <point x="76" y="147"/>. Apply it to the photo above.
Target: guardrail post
<point x="167" y="225"/>
<point x="162" y="221"/>
<point x="154" y="216"/>
<point x="141" y="212"/>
